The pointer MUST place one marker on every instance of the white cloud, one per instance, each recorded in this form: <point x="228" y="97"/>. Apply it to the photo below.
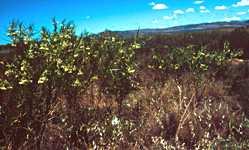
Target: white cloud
<point x="159" y="6"/>
<point x="178" y="12"/>
<point x="220" y="7"/>
<point x="202" y="7"/>
<point x="190" y="10"/>
<point x="232" y="19"/>
<point x="168" y="17"/>
<point x="241" y="13"/>
<point x="241" y="3"/>
<point x="198" y="2"/>
<point x="204" y="11"/>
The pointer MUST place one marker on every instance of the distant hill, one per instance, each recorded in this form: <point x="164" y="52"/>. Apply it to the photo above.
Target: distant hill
<point x="187" y="28"/>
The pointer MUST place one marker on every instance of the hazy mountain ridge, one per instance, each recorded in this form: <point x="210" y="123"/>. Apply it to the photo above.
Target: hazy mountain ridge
<point x="188" y="28"/>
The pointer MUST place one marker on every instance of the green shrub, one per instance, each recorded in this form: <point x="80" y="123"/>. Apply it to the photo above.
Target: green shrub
<point x="59" y="63"/>
<point x="188" y="59"/>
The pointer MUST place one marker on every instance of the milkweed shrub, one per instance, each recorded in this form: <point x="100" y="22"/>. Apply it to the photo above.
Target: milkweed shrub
<point x="190" y="59"/>
<point x="64" y="91"/>
<point x="56" y="63"/>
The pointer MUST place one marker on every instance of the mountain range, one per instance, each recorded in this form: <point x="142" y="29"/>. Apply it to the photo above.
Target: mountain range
<point x="187" y="28"/>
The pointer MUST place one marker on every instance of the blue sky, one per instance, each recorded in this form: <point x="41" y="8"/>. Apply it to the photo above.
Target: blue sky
<point x="97" y="15"/>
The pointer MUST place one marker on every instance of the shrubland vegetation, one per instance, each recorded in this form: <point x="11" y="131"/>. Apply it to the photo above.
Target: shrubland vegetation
<point x="63" y="91"/>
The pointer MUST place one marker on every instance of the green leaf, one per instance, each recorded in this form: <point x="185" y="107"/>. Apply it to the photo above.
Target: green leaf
<point x="42" y="80"/>
<point x="131" y="70"/>
<point x="136" y="46"/>
<point x="77" y="83"/>
<point x="5" y="85"/>
<point x="24" y="81"/>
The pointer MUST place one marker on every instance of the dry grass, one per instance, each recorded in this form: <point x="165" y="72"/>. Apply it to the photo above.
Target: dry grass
<point x="181" y="113"/>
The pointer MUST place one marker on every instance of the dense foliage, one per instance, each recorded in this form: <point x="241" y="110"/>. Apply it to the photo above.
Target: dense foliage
<point x="59" y="90"/>
<point x="213" y="40"/>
